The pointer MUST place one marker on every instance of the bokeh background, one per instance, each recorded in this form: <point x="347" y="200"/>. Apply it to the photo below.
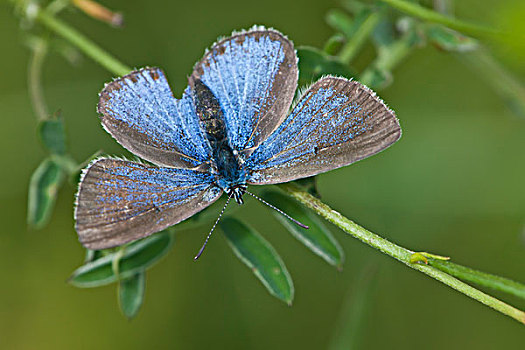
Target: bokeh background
<point x="453" y="185"/>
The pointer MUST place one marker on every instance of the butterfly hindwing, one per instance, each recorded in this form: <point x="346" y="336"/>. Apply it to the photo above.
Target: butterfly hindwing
<point x="335" y="123"/>
<point x="119" y="201"/>
<point x="254" y="76"/>
<point x="140" y="112"/>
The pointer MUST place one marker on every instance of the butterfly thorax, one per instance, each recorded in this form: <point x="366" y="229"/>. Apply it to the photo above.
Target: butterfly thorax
<point x="226" y="164"/>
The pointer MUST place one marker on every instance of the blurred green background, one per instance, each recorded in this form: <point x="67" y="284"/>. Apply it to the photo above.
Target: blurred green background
<point x="453" y="185"/>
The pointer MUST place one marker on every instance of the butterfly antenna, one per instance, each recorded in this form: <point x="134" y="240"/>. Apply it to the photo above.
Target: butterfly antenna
<point x="278" y="210"/>
<point x="213" y="228"/>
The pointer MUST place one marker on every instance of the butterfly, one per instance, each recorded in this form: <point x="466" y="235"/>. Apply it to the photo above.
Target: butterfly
<point x="231" y="128"/>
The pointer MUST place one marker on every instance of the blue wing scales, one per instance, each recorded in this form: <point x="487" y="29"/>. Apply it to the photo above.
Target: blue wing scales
<point x="254" y="76"/>
<point x="140" y="112"/>
<point x="335" y="123"/>
<point x="120" y="201"/>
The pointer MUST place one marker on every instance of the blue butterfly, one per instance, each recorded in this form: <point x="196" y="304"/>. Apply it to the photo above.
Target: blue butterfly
<point x="231" y="128"/>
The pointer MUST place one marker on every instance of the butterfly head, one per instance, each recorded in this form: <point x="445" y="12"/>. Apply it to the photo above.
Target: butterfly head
<point x="236" y="192"/>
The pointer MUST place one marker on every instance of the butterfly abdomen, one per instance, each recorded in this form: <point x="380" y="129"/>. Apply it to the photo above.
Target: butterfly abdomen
<point x="211" y="117"/>
<point x="209" y="111"/>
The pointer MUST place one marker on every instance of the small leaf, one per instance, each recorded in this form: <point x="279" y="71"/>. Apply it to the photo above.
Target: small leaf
<point x="383" y="34"/>
<point x="481" y="278"/>
<point x="52" y="134"/>
<point x="355" y="7"/>
<point x="310" y="185"/>
<point x="314" y="63"/>
<point x="340" y="21"/>
<point x="434" y="256"/>
<point x="43" y="188"/>
<point x="260" y="257"/>
<point x="131" y="294"/>
<point x="449" y="40"/>
<point x="317" y="237"/>
<point x="418" y="258"/>
<point x="376" y="78"/>
<point x="137" y="256"/>
<point x="333" y="44"/>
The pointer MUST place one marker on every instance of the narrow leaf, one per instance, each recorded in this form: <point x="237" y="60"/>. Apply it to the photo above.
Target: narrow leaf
<point x="481" y="278"/>
<point x="449" y="40"/>
<point x="309" y="184"/>
<point x="131" y="294"/>
<point x="43" y="188"/>
<point x="314" y="63"/>
<point x="333" y="44"/>
<point x="52" y="134"/>
<point x="376" y="78"/>
<point x="137" y="256"/>
<point x="317" y="237"/>
<point x="383" y="34"/>
<point x="260" y="257"/>
<point x="340" y="21"/>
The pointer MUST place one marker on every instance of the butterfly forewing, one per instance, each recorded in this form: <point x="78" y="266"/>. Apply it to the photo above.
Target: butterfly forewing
<point x="335" y="123"/>
<point x="254" y="76"/>
<point x="119" y="201"/>
<point x="140" y="112"/>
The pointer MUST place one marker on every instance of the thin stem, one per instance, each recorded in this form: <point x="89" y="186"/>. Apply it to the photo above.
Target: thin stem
<point x="34" y="73"/>
<point x="351" y="48"/>
<point x="397" y="252"/>
<point x="432" y="16"/>
<point x="90" y="49"/>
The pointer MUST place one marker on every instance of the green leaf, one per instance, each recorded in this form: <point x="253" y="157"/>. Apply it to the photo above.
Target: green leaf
<point x="449" y="40"/>
<point x="317" y="237"/>
<point x="418" y="258"/>
<point x="355" y="7"/>
<point x="309" y="184"/>
<point x="52" y="134"/>
<point x="376" y="78"/>
<point x="131" y="294"/>
<point x="383" y="34"/>
<point x="340" y="21"/>
<point x="314" y="63"/>
<point x="483" y="279"/>
<point x="260" y="257"/>
<point x="333" y="44"/>
<point x="136" y="257"/>
<point x="43" y="188"/>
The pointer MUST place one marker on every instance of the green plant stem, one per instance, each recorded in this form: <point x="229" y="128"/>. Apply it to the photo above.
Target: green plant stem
<point x="397" y="252"/>
<point x="90" y="49"/>
<point x="352" y="46"/>
<point x="432" y="16"/>
<point x="34" y="73"/>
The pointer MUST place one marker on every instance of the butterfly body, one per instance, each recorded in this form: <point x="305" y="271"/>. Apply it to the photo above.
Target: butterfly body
<point x="233" y="126"/>
<point x="225" y="162"/>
